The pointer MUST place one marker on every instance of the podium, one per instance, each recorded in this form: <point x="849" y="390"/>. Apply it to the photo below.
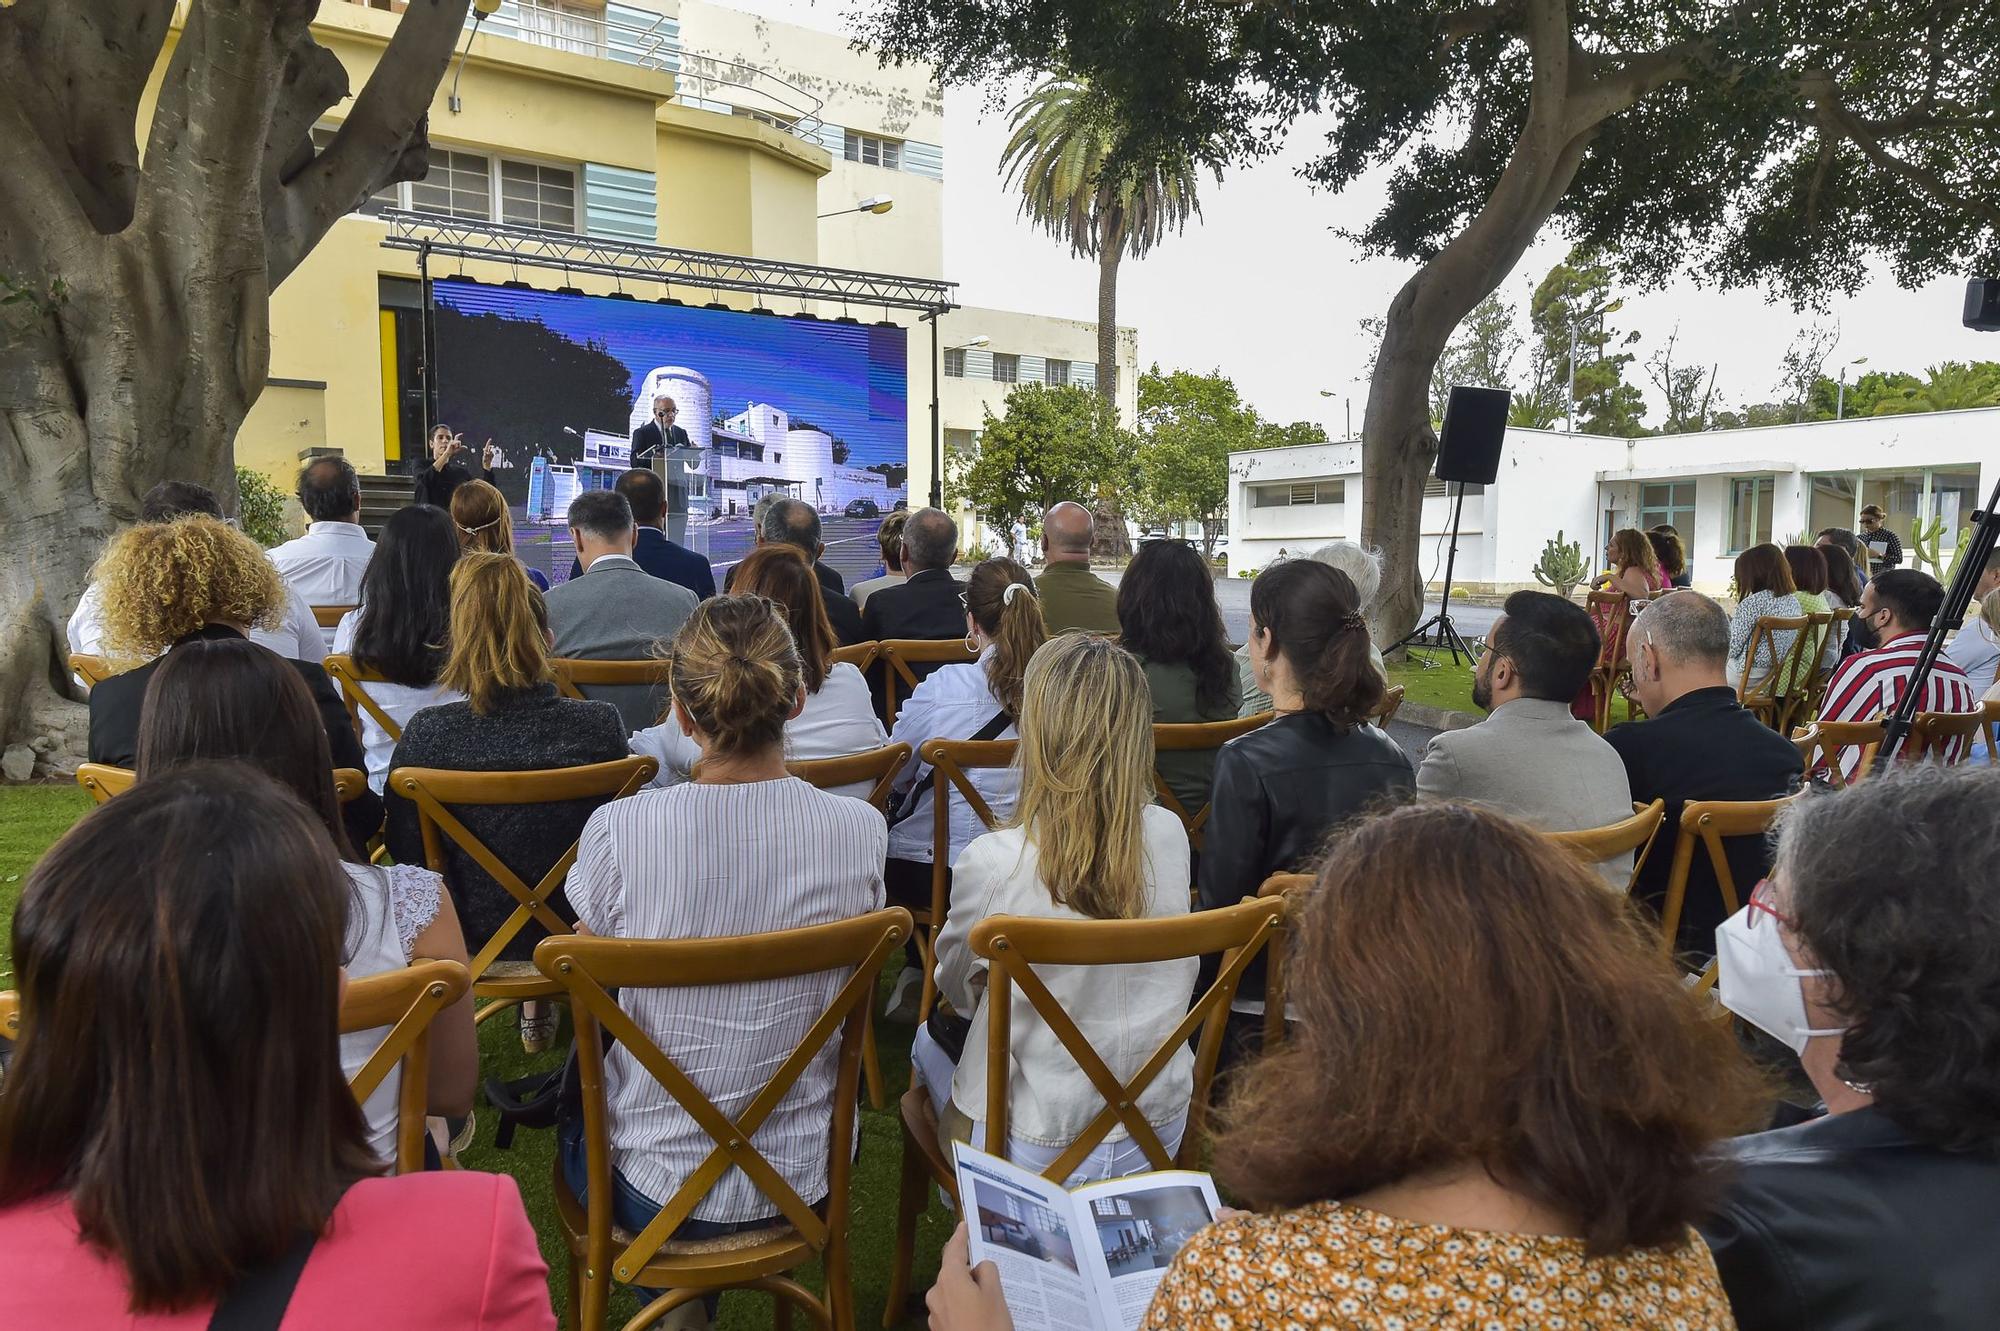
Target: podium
<point x="675" y="467"/>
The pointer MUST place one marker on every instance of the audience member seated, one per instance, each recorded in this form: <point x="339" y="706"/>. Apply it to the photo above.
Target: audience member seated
<point x="1764" y="590"/>
<point x="890" y="537"/>
<point x="1874" y="953"/>
<point x="512" y="720"/>
<point x="1363" y="568"/>
<point x="615" y="611"/>
<point x="1700" y="743"/>
<point x="929" y="604"/>
<point x="1282" y="789"/>
<point x="1166" y="601"/>
<point x="1843" y="592"/>
<point x="296" y="636"/>
<point x="326" y="564"/>
<point x="1002" y="622"/>
<point x="167" y="584"/>
<point x="742" y="849"/>
<point x="795" y="523"/>
<point x="1530" y="757"/>
<point x="480" y="511"/>
<point x="1072" y="596"/>
<point x="1632" y="567"/>
<point x="176" y="1125"/>
<point x="1976" y="648"/>
<point x="838" y="717"/>
<point x="1809" y="582"/>
<point x="402" y="625"/>
<point x="1667" y="548"/>
<point x="656" y="553"/>
<point x="1480" y="1120"/>
<point x="1087" y="843"/>
<point x="1898" y="606"/>
<point x="234" y="700"/>
<point x="447" y="468"/>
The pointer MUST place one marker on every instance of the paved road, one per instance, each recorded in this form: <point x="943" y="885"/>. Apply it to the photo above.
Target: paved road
<point x="1232" y="595"/>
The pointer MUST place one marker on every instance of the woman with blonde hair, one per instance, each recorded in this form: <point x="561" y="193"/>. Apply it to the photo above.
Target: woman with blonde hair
<point x="1086" y="842"/>
<point x="971" y="700"/>
<point x="479" y="511"/>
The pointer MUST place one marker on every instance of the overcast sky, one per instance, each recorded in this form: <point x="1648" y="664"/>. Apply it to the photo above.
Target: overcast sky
<point x="1261" y="288"/>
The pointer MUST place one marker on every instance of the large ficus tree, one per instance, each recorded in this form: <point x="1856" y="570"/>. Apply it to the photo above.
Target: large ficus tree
<point x="1779" y="142"/>
<point x="135" y="286"/>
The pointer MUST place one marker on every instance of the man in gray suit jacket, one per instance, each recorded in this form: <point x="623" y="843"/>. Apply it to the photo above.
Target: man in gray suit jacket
<point x="615" y="611"/>
<point x="1530" y="757"/>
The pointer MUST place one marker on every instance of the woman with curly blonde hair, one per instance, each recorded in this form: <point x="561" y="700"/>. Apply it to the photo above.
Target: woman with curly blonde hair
<point x="190" y="580"/>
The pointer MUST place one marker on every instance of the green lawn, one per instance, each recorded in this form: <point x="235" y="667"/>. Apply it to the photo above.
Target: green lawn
<point x="32" y="817"/>
<point x="1428" y="677"/>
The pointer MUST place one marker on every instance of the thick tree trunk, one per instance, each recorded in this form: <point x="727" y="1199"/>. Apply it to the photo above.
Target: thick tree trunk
<point x="1109" y="539"/>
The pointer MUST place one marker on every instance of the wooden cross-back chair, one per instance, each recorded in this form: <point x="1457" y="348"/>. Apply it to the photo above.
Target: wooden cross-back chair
<point x="1191" y="737"/>
<point x="1611" y="612"/>
<point x="860" y="655"/>
<point x="435" y="791"/>
<point x="951" y="762"/>
<point x="573" y="672"/>
<point x="1822" y="743"/>
<point x="90" y="668"/>
<point x="1709" y="823"/>
<point x="1811" y="669"/>
<point x="1932" y="735"/>
<point x="1767" y="670"/>
<point x="1989" y="713"/>
<point x="329" y="616"/>
<point x="1385" y="711"/>
<point x="589" y="969"/>
<point x="1015" y="949"/>
<point x="104" y="781"/>
<point x="1634" y="836"/>
<point x="352" y="676"/>
<point x="10" y="1015"/>
<point x="880" y="766"/>
<point x="899" y="654"/>
<point x="406" y="1001"/>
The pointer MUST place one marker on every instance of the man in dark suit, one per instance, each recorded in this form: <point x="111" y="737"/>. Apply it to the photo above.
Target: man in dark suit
<point x="656" y="554"/>
<point x="795" y="523"/>
<point x="928" y="605"/>
<point x="660" y="432"/>
<point x="1701" y="744"/>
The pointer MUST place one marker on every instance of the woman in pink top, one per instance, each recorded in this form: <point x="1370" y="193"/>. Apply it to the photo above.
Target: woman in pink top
<point x="175" y="1125"/>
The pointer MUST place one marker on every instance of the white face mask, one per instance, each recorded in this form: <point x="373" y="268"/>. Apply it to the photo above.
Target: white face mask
<point x="1756" y="980"/>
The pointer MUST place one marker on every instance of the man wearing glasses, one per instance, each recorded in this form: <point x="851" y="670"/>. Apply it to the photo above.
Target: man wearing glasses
<point x="660" y="432"/>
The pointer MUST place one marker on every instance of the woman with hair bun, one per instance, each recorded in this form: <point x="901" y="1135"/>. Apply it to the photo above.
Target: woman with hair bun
<point x="1281" y="789"/>
<point x="742" y="848"/>
<point x="479" y="511"/>
<point x="972" y="700"/>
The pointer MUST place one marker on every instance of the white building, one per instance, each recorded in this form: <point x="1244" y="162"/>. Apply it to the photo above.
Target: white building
<point x="1724" y="490"/>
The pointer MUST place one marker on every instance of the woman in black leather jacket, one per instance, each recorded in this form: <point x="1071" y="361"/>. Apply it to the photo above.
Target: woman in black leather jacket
<point x="1281" y="789"/>
<point x="1874" y="950"/>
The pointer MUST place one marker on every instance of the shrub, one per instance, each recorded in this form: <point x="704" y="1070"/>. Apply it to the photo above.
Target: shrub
<point x="260" y="508"/>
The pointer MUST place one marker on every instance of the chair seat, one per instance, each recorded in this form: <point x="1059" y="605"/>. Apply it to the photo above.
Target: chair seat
<point x="511" y="970"/>
<point x="690" y="1263"/>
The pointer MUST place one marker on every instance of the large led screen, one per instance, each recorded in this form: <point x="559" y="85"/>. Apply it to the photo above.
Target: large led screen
<point x="814" y="409"/>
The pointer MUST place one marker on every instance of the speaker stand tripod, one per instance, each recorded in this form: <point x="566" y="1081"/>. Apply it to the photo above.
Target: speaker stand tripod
<point x="1446" y="631"/>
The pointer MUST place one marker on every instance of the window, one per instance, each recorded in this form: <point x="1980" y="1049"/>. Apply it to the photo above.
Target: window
<point x="1437" y="489"/>
<point x="954" y="364"/>
<point x="1055" y="371"/>
<point x="1006" y="367"/>
<point x="783" y="123"/>
<point x="1944" y="494"/>
<point x="1749" y="512"/>
<point x="1296" y="493"/>
<point x="1830" y="502"/>
<point x="538" y="196"/>
<point x="962" y="441"/>
<point x="873" y="151"/>
<point x="1668" y="502"/>
<point x="460" y="184"/>
<point x="563" y="25"/>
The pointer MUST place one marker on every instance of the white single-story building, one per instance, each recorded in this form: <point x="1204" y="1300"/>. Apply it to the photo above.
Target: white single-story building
<point x="1723" y="490"/>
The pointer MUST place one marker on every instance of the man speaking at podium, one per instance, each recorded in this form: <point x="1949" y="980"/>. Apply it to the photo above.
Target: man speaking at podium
<point x="659" y="432"/>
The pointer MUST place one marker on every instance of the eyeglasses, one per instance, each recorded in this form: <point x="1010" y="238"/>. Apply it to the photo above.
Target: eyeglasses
<point x="1760" y="905"/>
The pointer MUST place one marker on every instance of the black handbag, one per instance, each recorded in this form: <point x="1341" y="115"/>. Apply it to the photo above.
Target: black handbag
<point x="908" y="804"/>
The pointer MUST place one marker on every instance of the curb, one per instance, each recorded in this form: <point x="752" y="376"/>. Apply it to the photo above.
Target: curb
<point x="1436" y="718"/>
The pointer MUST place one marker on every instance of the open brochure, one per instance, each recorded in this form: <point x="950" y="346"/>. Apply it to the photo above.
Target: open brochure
<point x="1089" y="1258"/>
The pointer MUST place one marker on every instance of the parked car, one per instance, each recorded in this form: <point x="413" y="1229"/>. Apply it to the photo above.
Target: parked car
<point x="863" y="508"/>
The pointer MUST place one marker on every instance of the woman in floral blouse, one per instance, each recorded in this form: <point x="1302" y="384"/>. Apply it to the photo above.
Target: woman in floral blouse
<point x="1510" y="1100"/>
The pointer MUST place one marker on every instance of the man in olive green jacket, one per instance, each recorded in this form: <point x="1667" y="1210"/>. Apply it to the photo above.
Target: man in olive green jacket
<point x="1072" y="596"/>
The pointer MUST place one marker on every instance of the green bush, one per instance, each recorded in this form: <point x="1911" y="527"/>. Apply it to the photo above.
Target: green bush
<point x="260" y="508"/>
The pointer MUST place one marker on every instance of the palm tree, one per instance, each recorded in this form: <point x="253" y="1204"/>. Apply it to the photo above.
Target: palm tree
<point x="1952" y="386"/>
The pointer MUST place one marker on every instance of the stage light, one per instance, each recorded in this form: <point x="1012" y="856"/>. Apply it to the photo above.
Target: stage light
<point x="807" y="315"/>
<point x="717" y="305"/>
<point x="767" y="313"/>
<point x="516" y="284"/>
<point x="569" y="291"/>
<point x="848" y="319"/>
<point x="874" y="203"/>
<point x="667" y="300"/>
<point x="621" y="295"/>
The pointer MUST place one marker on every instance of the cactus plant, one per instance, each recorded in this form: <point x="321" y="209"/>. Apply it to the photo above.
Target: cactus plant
<point x="1924" y="538"/>
<point x="1561" y="566"/>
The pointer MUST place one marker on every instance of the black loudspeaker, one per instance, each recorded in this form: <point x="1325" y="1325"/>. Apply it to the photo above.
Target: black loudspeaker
<point x="1982" y="304"/>
<point x="1475" y="422"/>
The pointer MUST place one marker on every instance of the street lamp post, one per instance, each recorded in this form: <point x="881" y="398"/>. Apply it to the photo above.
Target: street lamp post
<point x="874" y="203"/>
<point x="1840" y="395"/>
<point x="1611" y="307"/>
<point x="937" y="421"/>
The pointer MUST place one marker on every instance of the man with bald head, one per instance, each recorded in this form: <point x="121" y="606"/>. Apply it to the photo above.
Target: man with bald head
<point x="1072" y="596"/>
<point x="1700" y="744"/>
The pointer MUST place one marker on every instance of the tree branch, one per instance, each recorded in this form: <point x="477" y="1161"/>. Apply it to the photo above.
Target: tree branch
<point x="1834" y="118"/>
<point x="387" y="125"/>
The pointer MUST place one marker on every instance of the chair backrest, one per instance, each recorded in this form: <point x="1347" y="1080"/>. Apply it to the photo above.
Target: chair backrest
<point x="104" y="781"/>
<point x="951" y="761"/>
<point x="1014" y="946"/>
<point x="90" y="668"/>
<point x="1285" y="884"/>
<point x="1385" y="711"/>
<point x="1933" y="735"/>
<point x="1766" y="669"/>
<point x="899" y="654"/>
<point x="1634" y="835"/>
<point x="1193" y="736"/>
<point x="10" y="1015"/>
<point x="406" y="1001"/>
<point x="329" y="616"/>
<point x="1809" y="669"/>
<point x="571" y="672"/>
<point x="1990" y="715"/>
<point x="590" y="969"/>
<point x="861" y="655"/>
<point x="877" y="765"/>
<point x="1821" y="743"/>
<point x="1711" y="822"/>
<point x="435" y="790"/>
<point x="1611" y="612"/>
<point x="351" y="675"/>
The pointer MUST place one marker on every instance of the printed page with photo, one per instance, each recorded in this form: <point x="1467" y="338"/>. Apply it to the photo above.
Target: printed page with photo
<point x="1136" y="1226"/>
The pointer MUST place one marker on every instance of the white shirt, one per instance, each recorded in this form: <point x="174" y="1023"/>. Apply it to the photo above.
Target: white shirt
<point x="400" y="701"/>
<point x="395" y="903"/>
<point x="325" y="565"/>
<point x="837" y="721"/>
<point x="713" y="861"/>
<point x="1976" y="651"/>
<point x="861" y="591"/>
<point x="298" y="638"/>
<point x="952" y="702"/>
<point x="1126" y="1011"/>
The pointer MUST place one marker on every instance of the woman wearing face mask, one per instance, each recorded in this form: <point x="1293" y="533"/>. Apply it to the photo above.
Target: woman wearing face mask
<point x="1874" y="952"/>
